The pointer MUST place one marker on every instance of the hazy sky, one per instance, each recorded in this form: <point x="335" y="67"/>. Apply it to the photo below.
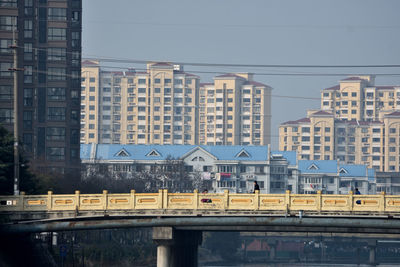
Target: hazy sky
<point x="302" y="32"/>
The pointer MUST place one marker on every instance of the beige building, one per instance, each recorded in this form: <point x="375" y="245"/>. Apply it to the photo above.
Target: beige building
<point x="158" y="106"/>
<point x="357" y="98"/>
<point x="359" y="123"/>
<point x="235" y="110"/>
<point x="166" y="105"/>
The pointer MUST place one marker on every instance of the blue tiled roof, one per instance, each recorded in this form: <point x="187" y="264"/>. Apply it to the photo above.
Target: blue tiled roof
<point x="322" y="166"/>
<point x="290" y="156"/>
<point x="141" y="152"/>
<point x="353" y="170"/>
<point x="85" y="151"/>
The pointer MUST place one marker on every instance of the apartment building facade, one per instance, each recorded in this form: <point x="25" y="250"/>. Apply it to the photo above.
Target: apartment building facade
<point x="348" y="128"/>
<point x="165" y="105"/>
<point x="48" y="40"/>
<point x="235" y="110"/>
<point x="358" y="98"/>
<point x="158" y="106"/>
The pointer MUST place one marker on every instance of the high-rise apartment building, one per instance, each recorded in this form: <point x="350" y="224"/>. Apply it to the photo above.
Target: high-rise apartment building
<point x="165" y="105"/>
<point x="235" y="110"/>
<point x="48" y="35"/>
<point x="359" y="124"/>
<point x="158" y="106"/>
<point x="357" y="98"/>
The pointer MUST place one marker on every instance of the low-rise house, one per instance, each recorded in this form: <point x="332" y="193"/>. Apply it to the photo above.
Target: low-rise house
<point x="217" y="168"/>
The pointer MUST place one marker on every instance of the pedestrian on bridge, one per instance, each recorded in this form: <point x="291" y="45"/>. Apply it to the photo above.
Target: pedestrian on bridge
<point x="256" y="187"/>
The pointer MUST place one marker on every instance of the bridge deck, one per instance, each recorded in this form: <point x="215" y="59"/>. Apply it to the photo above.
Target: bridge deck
<point x="163" y="200"/>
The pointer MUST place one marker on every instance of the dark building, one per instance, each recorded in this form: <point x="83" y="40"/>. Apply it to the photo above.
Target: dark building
<point x="48" y="34"/>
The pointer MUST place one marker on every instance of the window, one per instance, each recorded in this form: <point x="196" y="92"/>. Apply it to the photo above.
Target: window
<point x="4" y="69"/>
<point x="56" y="74"/>
<point x="7" y="23"/>
<point x="56" y="114"/>
<point x="167" y="80"/>
<point x="28" y="97"/>
<point x="5" y="45"/>
<point x="157" y="81"/>
<point x="178" y="81"/>
<point x="28" y="51"/>
<point x="141" y="81"/>
<point x="27" y="120"/>
<point x="55" y="153"/>
<point x="56" y="54"/>
<point x="56" y="93"/>
<point x="8" y="3"/>
<point x="57" y="14"/>
<point x="76" y="39"/>
<point x="55" y="134"/>
<point x="6" y="115"/>
<point x="6" y="92"/>
<point x="74" y="117"/>
<point x="28" y="74"/>
<point x="27" y="142"/>
<point x="57" y="34"/>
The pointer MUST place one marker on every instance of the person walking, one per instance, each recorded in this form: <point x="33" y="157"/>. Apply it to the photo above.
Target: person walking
<point x="256" y="187"/>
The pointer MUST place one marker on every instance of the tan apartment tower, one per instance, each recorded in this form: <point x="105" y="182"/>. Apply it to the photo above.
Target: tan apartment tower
<point x="158" y="106"/>
<point x="235" y="110"/>
<point x="358" y="124"/>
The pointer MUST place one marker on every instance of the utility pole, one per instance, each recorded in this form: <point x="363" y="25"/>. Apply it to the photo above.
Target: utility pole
<point x="15" y="69"/>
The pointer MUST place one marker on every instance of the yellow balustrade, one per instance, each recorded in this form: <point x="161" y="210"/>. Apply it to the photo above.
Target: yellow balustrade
<point x="287" y="202"/>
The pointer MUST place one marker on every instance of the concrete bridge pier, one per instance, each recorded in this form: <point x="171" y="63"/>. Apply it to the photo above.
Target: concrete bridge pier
<point x="176" y="248"/>
<point x="372" y="252"/>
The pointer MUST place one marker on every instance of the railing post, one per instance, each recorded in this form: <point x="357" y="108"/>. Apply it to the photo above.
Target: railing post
<point x="77" y="199"/>
<point x="287" y="201"/>
<point x="382" y="206"/>
<point x="319" y="201"/>
<point x="49" y="200"/>
<point x="105" y="199"/>
<point x="133" y="199"/>
<point x="165" y="199"/>
<point x="256" y="199"/>
<point x="21" y="200"/>
<point x="351" y="204"/>
<point x="160" y="202"/>
<point x="226" y="199"/>
<point x="195" y="199"/>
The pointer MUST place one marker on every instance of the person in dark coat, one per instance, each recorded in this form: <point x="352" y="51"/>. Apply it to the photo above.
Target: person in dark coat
<point x="256" y="187"/>
<point x="357" y="193"/>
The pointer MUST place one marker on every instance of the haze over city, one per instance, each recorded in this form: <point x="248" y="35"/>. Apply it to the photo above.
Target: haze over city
<point x="182" y="133"/>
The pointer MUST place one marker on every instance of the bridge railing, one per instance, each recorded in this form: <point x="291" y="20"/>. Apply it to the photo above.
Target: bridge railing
<point x="199" y="201"/>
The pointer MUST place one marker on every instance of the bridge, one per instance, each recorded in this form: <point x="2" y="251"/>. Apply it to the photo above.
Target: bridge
<point x="179" y="218"/>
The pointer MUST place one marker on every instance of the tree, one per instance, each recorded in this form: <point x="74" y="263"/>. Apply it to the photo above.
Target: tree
<point x="28" y="182"/>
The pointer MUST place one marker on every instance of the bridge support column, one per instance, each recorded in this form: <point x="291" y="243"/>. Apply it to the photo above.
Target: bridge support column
<point x="272" y="251"/>
<point x="372" y="252"/>
<point x="176" y="248"/>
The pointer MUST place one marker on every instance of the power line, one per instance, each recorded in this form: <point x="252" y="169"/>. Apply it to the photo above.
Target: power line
<point x="270" y="74"/>
<point x="116" y="60"/>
